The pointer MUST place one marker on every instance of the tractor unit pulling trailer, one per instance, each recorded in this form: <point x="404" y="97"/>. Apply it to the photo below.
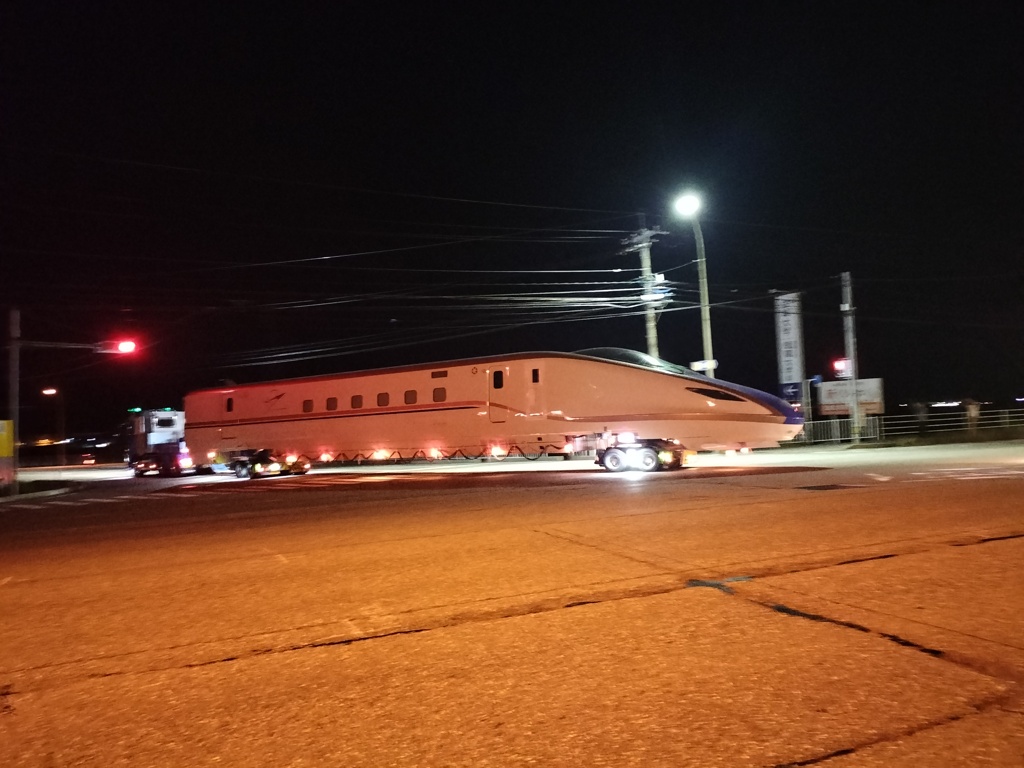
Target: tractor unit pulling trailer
<point x="638" y="412"/>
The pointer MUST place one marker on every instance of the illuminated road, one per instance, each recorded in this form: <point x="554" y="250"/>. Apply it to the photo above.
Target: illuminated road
<point x="803" y="606"/>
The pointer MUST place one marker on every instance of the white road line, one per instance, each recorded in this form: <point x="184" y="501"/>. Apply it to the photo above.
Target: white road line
<point x="6" y="581"/>
<point x="25" y="506"/>
<point x="68" y="503"/>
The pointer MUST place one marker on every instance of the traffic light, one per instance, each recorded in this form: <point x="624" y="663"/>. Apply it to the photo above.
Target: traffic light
<point x="841" y="368"/>
<point x="117" y="347"/>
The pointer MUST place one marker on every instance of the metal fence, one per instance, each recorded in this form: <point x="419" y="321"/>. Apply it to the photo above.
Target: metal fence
<point x="891" y="427"/>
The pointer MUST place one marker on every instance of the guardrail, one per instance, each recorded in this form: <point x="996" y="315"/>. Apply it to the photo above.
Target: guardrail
<point x="888" y="427"/>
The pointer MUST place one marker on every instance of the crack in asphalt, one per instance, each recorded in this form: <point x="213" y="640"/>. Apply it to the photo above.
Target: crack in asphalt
<point x="989" y="539"/>
<point x="6" y="691"/>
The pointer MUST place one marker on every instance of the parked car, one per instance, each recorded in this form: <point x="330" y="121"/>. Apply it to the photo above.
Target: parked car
<point x="163" y="464"/>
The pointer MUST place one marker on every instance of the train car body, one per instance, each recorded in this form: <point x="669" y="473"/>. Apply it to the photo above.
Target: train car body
<point x="530" y="404"/>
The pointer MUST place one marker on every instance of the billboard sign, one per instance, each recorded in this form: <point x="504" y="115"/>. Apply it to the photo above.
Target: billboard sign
<point x="835" y="397"/>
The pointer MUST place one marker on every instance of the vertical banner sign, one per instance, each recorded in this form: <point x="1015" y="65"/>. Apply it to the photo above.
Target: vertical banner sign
<point x="789" y="339"/>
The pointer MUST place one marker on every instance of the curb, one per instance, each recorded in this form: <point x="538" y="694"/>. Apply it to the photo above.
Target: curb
<point x="36" y="495"/>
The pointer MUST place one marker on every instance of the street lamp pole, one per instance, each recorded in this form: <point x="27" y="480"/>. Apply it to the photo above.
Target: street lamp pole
<point x="705" y="304"/>
<point x="687" y="206"/>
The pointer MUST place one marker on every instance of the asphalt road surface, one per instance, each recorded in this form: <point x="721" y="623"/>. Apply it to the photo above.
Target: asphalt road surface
<point x="794" y="607"/>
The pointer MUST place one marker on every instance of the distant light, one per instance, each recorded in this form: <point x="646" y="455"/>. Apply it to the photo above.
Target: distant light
<point x="49" y="391"/>
<point x="497" y="451"/>
<point x="325" y="457"/>
<point x="117" y="347"/>
<point x="687" y="205"/>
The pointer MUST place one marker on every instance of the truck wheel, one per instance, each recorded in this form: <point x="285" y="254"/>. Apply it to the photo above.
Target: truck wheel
<point x="648" y="460"/>
<point x="614" y="460"/>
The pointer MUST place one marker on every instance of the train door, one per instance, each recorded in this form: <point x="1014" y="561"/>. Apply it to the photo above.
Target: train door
<point x="497" y="410"/>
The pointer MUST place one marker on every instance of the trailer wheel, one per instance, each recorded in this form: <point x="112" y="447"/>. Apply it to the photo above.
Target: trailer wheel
<point x="648" y="459"/>
<point x="614" y="460"/>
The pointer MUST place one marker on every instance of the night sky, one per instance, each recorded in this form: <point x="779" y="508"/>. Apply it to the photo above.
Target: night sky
<point x="276" y="190"/>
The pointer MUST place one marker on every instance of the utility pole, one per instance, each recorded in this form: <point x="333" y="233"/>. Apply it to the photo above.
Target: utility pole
<point x="850" y="336"/>
<point x="641" y="242"/>
<point x="13" y="385"/>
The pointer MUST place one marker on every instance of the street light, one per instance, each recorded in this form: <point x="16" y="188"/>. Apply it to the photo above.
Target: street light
<point x="688" y="205"/>
<point x="61" y="449"/>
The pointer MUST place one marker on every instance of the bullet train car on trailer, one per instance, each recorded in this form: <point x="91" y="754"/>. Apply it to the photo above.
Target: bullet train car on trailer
<point x="639" y="412"/>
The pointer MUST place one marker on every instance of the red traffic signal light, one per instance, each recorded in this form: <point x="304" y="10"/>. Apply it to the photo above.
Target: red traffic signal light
<point x="118" y="347"/>
<point x="842" y="368"/>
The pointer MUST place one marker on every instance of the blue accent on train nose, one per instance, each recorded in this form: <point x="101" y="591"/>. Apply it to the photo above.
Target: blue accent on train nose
<point x="793" y="416"/>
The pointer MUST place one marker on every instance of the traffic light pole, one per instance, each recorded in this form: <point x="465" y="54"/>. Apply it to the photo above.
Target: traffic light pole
<point x="14" y="346"/>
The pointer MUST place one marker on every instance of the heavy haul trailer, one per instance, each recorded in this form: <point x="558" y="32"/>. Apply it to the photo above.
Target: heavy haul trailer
<point x="639" y="412"/>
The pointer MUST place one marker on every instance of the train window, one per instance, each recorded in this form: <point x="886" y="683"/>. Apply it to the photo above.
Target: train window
<point x="536" y="375"/>
<point x="307" y="406"/>
<point x="229" y="404"/>
<point x="439" y="374"/>
<point x="499" y="379"/>
<point x="332" y="403"/>
<point x="716" y="394"/>
<point x="383" y="399"/>
<point x="357" y="401"/>
<point x="440" y="394"/>
<point x="410" y="397"/>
